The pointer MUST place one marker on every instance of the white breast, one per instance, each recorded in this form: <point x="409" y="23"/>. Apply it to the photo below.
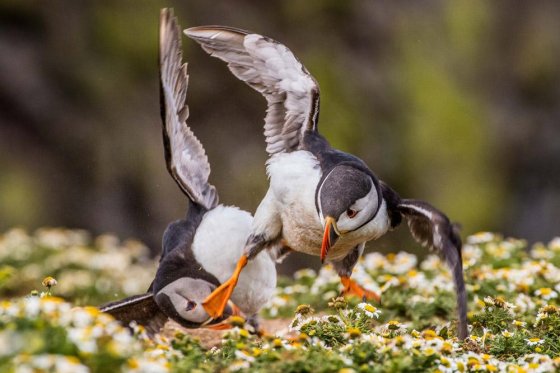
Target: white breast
<point x="293" y="182"/>
<point x="218" y="244"/>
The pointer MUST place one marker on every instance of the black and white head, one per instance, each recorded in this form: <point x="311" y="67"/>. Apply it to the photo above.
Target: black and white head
<point x="347" y="198"/>
<point x="179" y="289"/>
<point x="182" y="300"/>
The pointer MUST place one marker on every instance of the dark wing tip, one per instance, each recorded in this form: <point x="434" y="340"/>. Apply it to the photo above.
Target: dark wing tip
<point x="432" y="228"/>
<point x="141" y="309"/>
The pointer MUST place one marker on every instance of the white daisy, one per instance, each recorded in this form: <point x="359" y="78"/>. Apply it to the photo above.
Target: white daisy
<point x="369" y="310"/>
<point x="534" y="341"/>
<point x="546" y="293"/>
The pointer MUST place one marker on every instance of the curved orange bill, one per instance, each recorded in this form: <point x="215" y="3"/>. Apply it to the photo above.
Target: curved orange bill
<point x="330" y="236"/>
<point x="216" y="302"/>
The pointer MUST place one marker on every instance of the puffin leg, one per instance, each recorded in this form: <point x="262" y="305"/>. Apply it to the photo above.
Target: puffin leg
<point x="344" y="269"/>
<point x="255" y="324"/>
<point x="215" y="303"/>
<point x="351" y="287"/>
<point x="253" y="320"/>
<point x="220" y="326"/>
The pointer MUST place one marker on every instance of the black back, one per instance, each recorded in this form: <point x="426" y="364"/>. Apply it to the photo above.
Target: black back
<point x="177" y="258"/>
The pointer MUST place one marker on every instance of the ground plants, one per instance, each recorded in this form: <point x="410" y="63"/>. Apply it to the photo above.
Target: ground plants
<point x="513" y="301"/>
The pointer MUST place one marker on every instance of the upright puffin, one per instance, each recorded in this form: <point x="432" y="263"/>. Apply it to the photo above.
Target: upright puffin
<point x="321" y="201"/>
<point x="201" y="251"/>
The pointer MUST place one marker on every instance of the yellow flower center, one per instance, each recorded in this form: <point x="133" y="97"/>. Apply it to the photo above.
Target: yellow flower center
<point x="354" y="332"/>
<point x="244" y="333"/>
<point x="237" y="321"/>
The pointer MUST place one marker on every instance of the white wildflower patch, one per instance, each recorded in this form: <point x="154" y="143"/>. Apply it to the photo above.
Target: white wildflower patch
<point x="375" y="261"/>
<point x="482" y="237"/>
<point x="471" y="255"/>
<point x="32" y="307"/>
<point x="326" y="276"/>
<point x="554" y="244"/>
<point x="365" y="280"/>
<point x="49" y="363"/>
<point x="534" y="341"/>
<point x="329" y="294"/>
<point x="82" y="265"/>
<point x="417" y="317"/>
<point x="278" y="301"/>
<point x="305" y="273"/>
<point x="241" y="355"/>
<point x="432" y="263"/>
<point x="507" y="334"/>
<point x="539" y="251"/>
<point x="397" y="264"/>
<point x="369" y="310"/>
<point x="546" y="293"/>
<point x="239" y="365"/>
<point x="89" y="331"/>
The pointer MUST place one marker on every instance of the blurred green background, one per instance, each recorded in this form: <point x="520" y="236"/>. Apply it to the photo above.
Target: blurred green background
<point x="454" y="102"/>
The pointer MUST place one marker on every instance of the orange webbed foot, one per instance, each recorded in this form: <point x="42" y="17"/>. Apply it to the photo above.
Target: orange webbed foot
<point x="215" y="303"/>
<point x="351" y="287"/>
<point x="219" y="326"/>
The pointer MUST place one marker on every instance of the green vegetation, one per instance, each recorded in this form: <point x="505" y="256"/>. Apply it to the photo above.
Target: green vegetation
<point x="514" y="314"/>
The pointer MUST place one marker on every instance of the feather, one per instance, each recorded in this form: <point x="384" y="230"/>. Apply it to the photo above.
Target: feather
<point x="272" y="69"/>
<point x="433" y="229"/>
<point x="186" y="159"/>
<point x="141" y="309"/>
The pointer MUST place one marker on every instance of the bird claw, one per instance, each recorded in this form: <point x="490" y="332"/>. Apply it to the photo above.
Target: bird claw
<point x="352" y="288"/>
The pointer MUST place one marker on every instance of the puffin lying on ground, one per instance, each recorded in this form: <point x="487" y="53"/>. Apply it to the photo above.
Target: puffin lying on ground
<point x="321" y="201"/>
<point x="200" y="251"/>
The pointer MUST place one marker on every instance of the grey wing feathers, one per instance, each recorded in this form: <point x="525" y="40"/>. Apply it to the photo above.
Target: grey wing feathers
<point x="141" y="309"/>
<point x="433" y="229"/>
<point x="186" y="159"/>
<point x="270" y="68"/>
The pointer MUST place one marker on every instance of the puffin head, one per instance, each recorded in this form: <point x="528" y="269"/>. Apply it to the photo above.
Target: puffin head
<point x="180" y="295"/>
<point x="346" y="199"/>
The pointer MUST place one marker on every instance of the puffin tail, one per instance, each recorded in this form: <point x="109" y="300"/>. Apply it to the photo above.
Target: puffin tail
<point x="141" y="309"/>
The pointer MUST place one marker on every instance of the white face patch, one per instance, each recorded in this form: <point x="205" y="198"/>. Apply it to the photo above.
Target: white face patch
<point x="186" y="289"/>
<point x="364" y="208"/>
<point x="319" y="198"/>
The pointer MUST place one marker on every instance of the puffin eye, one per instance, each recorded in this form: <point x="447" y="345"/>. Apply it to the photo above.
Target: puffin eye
<point x="351" y="213"/>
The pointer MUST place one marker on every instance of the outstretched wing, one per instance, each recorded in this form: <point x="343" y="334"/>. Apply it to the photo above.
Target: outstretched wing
<point x="273" y="70"/>
<point x="141" y="309"/>
<point x="186" y="160"/>
<point x="433" y="229"/>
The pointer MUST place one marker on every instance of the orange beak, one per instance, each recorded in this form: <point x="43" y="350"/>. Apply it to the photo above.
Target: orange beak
<point x="330" y="236"/>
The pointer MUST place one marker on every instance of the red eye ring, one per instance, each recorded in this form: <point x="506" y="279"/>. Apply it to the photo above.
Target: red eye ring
<point x="351" y="213"/>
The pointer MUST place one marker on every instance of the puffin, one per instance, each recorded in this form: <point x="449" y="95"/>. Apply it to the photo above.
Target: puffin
<point x="321" y="201"/>
<point x="200" y="251"/>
